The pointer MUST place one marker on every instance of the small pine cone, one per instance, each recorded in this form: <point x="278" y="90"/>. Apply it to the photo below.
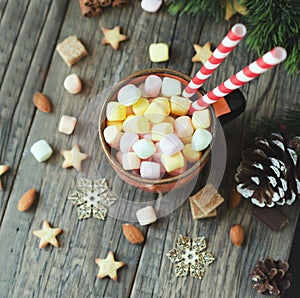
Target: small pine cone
<point x="120" y="3"/>
<point x="269" y="174"/>
<point x="271" y="277"/>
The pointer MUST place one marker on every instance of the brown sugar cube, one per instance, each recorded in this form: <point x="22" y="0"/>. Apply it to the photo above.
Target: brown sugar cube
<point x="71" y="50"/>
<point x="208" y="199"/>
<point x="197" y="213"/>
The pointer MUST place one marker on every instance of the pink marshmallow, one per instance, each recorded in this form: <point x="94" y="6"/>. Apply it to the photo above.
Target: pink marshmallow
<point x="183" y="126"/>
<point x="150" y="170"/>
<point x="152" y="85"/>
<point x="127" y="140"/>
<point x="170" y="144"/>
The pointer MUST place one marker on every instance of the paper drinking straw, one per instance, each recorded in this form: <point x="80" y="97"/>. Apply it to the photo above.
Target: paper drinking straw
<point x="229" y="42"/>
<point x="262" y="64"/>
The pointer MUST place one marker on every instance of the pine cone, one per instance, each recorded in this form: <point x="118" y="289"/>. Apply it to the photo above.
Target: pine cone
<point x="269" y="174"/>
<point x="271" y="277"/>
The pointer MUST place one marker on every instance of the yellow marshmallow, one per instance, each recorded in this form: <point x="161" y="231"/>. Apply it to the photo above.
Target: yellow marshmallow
<point x="118" y="124"/>
<point x="164" y="102"/>
<point x="140" y="107"/>
<point x="190" y="154"/>
<point x="172" y="162"/>
<point x="156" y="112"/>
<point x="179" y="105"/>
<point x="115" y="111"/>
<point x="137" y="124"/>
<point x="201" y="119"/>
<point x="161" y="129"/>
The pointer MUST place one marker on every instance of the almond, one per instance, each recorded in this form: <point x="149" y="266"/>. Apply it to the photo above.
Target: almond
<point x="27" y="200"/>
<point x="237" y="235"/>
<point x="42" y="102"/>
<point x="132" y="234"/>
<point x="234" y="198"/>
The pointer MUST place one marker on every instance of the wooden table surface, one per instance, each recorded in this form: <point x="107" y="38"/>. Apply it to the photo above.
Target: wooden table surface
<point x="29" y="33"/>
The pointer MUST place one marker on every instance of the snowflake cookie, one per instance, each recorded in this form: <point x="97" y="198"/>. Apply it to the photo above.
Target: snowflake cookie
<point x="92" y="197"/>
<point x="190" y="256"/>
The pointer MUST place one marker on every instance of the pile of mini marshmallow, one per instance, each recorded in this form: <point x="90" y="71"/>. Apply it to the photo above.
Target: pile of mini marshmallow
<point x="149" y="128"/>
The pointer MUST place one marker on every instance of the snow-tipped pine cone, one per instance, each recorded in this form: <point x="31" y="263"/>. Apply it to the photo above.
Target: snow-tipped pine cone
<point x="271" y="277"/>
<point x="270" y="173"/>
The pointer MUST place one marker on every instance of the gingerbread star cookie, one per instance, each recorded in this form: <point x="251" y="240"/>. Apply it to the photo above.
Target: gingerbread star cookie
<point x="113" y="37"/>
<point x="3" y="169"/>
<point x="108" y="266"/>
<point x="47" y="235"/>
<point x="73" y="158"/>
<point x="202" y="53"/>
<point x="232" y="10"/>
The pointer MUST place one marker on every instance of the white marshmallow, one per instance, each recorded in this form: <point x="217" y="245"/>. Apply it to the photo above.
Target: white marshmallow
<point x="146" y="215"/>
<point x="201" y="139"/>
<point x="129" y="94"/>
<point x="170" y="87"/>
<point x="150" y="170"/>
<point x="130" y="161"/>
<point x="41" y="150"/>
<point x="112" y="136"/>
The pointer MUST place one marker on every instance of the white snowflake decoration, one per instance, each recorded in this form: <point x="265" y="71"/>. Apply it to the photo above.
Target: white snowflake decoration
<point x="92" y="197"/>
<point x="190" y="257"/>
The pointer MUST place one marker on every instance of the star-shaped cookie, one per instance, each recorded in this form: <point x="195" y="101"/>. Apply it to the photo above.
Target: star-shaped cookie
<point x="108" y="266"/>
<point x="113" y="36"/>
<point x="3" y="169"/>
<point x="231" y="11"/>
<point x="47" y="235"/>
<point x="73" y="158"/>
<point x="202" y="53"/>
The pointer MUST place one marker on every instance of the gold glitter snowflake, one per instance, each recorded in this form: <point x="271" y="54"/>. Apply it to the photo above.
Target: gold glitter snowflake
<point x="190" y="256"/>
<point x="92" y="197"/>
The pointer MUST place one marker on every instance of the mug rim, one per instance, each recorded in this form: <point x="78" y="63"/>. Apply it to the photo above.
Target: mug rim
<point x="107" y="149"/>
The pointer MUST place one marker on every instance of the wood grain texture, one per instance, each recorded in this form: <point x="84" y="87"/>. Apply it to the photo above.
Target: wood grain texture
<point x="30" y="64"/>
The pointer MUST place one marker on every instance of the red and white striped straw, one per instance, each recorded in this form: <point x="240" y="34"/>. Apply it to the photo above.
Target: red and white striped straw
<point x="261" y="65"/>
<point x="229" y="42"/>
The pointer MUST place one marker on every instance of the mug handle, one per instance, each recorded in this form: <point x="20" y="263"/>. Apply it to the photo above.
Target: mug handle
<point x="237" y="104"/>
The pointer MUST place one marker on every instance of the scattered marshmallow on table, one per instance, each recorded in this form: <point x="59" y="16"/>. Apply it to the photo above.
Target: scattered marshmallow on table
<point x="151" y="5"/>
<point x="190" y="155"/>
<point x="127" y="140"/>
<point x="72" y="84"/>
<point x="159" y="52"/>
<point x="152" y="85"/>
<point x="170" y="87"/>
<point x="150" y="170"/>
<point x="179" y="105"/>
<point x="137" y="124"/>
<point x="201" y="119"/>
<point x="41" y="150"/>
<point x="146" y="215"/>
<point x="183" y="126"/>
<point x="112" y="136"/>
<point x="170" y="144"/>
<point x="140" y="107"/>
<point x="129" y="95"/>
<point x="161" y="129"/>
<point x="115" y="111"/>
<point x="144" y="148"/>
<point x="173" y="162"/>
<point x="201" y="139"/>
<point x="67" y="124"/>
<point x="130" y="161"/>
